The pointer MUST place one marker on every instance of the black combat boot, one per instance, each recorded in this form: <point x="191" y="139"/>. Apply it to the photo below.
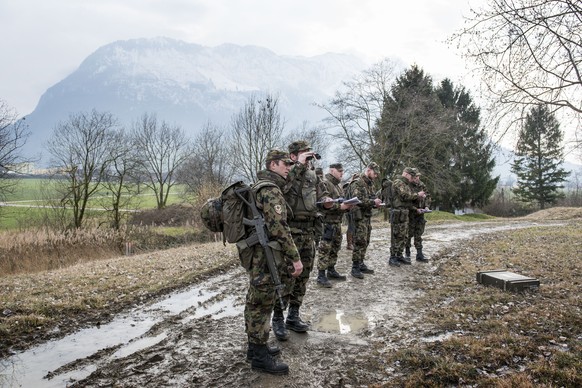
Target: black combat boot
<point x="294" y="321"/>
<point x="420" y="256"/>
<point x="322" y="279"/>
<point x="393" y="261"/>
<point x="407" y="252"/>
<point x="365" y="269"/>
<point x="264" y="362"/>
<point x="272" y="350"/>
<point x="278" y="325"/>
<point x="356" y="272"/>
<point x="404" y="260"/>
<point x="333" y="274"/>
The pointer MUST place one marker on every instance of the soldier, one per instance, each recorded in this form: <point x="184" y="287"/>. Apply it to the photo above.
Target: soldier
<point x="261" y="293"/>
<point x="416" y="220"/>
<point x="331" y="241"/>
<point x="302" y="196"/>
<point x="402" y="197"/>
<point x="362" y="187"/>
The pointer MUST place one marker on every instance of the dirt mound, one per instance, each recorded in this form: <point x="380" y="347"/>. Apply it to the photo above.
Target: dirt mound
<point x="556" y="213"/>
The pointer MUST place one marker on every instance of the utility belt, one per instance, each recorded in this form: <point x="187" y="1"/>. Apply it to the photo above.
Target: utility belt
<point x="302" y="224"/>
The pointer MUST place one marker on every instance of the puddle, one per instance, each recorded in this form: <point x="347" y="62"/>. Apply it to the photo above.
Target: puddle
<point x="27" y="369"/>
<point x="340" y="322"/>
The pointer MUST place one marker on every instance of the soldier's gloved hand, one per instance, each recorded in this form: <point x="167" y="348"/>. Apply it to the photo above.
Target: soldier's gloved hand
<point x="298" y="268"/>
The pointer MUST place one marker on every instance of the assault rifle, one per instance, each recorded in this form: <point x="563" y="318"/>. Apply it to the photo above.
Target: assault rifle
<point x="260" y="237"/>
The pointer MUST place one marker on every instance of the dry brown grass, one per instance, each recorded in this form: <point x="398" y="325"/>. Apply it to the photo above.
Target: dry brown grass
<point x="40" y="249"/>
<point x="504" y="339"/>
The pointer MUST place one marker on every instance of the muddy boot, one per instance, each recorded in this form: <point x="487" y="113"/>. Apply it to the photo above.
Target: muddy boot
<point x="264" y="362"/>
<point x="404" y="260"/>
<point x="322" y="279"/>
<point x="350" y="241"/>
<point x="365" y="269"/>
<point x="420" y="256"/>
<point x="356" y="272"/>
<point x="407" y="253"/>
<point x="393" y="261"/>
<point x="278" y="325"/>
<point x="272" y="350"/>
<point x="294" y="321"/>
<point x="333" y="274"/>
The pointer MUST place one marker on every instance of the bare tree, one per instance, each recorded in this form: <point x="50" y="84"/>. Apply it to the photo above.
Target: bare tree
<point x="356" y="109"/>
<point x="315" y="135"/>
<point x="13" y="135"/>
<point x="120" y="190"/>
<point x="161" y="149"/>
<point x="210" y="160"/>
<point x="256" y="128"/>
<point x="80" y="151"/>
<point x="527" y="52"/>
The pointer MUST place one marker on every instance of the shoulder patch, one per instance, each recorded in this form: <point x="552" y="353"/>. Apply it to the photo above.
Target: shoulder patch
<point x="278" y="209"/>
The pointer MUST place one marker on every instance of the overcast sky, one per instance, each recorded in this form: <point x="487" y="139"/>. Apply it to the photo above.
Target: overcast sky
<point x="43" y="41"/>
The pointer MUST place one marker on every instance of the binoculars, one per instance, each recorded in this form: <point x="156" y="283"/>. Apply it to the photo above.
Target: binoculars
<point x="316" y="155"/>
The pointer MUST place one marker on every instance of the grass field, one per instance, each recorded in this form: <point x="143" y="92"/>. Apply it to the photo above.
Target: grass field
<point x="29" y="196"/>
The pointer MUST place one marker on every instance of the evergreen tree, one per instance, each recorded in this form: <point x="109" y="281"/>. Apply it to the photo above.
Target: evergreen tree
<point x="539" y="155"/>
<point x="472" y="160"/>
<point x="413" y="130"/>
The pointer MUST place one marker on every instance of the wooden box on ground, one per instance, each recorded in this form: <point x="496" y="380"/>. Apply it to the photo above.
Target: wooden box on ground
<point x="507" y="281"/>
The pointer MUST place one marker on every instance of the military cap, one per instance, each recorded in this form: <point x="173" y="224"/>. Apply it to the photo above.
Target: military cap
<point x="298" y="146"/>
<point x="277" y="154"/>
<point x="337" y="166"/>
<point x="412" y="171"/>
<point x="374" y="166"/>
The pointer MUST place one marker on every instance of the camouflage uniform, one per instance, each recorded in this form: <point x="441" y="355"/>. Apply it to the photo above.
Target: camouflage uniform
<point x="301" y="195"/>
<point x="416" y="221"/>
<point x="331" y="241"/>
<point x="402" y="197"/>
<point x="261" y="293"/>
<point x="362" y="187"/>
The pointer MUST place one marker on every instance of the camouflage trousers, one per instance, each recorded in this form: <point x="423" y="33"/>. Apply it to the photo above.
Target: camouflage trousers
<point x="260" y="301"/>
<point x="416" y="223"/>
<point x="295" y="287"/>
<point x="329" y="245"/>
<point x="398" y="231"/>
<point x="362" y="231"/>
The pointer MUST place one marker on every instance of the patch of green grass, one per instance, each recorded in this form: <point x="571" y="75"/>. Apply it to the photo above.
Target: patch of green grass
<point x="440" y="216"/>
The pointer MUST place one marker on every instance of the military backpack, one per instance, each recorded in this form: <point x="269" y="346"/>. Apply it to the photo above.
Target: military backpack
<point x="226" y="213"/>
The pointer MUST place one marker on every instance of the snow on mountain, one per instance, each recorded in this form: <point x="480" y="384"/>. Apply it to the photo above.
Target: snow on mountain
<point x="189" y="84"/>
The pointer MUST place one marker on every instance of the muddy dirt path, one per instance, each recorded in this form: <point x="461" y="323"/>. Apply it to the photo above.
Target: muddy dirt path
<point x="196" y="337"/>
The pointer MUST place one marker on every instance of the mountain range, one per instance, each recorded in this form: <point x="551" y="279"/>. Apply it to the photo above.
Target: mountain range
<point x="189" y="84"/>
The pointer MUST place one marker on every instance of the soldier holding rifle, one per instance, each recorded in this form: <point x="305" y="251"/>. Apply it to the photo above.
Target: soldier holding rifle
<point x="261" y="295"/>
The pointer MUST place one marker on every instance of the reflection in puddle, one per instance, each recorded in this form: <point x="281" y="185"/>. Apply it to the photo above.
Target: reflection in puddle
<point x="340" y="322"/>
<point x="27" y="369"/>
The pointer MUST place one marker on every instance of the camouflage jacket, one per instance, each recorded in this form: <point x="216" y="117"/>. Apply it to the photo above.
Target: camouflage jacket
<point x="420" y="203"/>
<point x="302" y="193"/>
<point x="363" y="188"/>
<point x="403" y="196"/>
<point x="330" y="184"/>
<point x="271" y="202"/>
